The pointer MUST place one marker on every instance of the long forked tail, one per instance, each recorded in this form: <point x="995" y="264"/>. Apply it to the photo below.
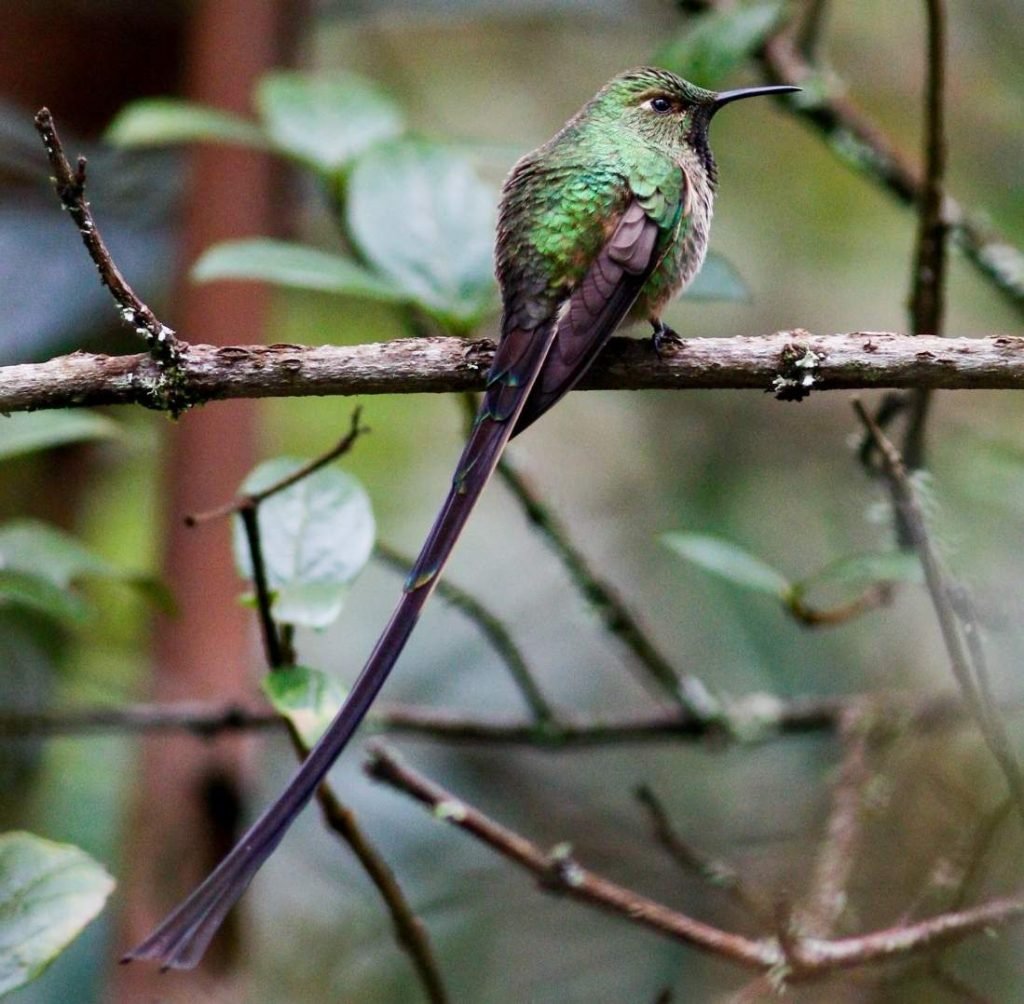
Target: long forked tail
<point x="182" y="938"/>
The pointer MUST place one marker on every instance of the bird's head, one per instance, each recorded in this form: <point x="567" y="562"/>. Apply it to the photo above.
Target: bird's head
<point x="663" y="108"/>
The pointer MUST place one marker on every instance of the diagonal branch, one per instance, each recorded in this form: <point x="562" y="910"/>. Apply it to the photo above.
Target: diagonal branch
<point x="958" y="626"/>
<point x="491" y="626"/>
<point x="70" y="185"/>
<point x="618" y="620"/>
<point x="799" y="959"/>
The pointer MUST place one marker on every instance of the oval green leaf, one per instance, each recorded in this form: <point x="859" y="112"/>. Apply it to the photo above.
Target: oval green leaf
<point x="48" y="893"/>
<point x="422" y="218"/>
<point x="316" y="537"/>
<point x="326" y="121"/>
<point x="165" y="121"/>
<point x="728" y="561"/>
<point x="295" y="265"/>
<point x="26" y="432"/>
<point x="308" y="698"/>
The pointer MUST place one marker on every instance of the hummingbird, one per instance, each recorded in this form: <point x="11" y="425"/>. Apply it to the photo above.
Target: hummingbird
<point x="601" y="226"/>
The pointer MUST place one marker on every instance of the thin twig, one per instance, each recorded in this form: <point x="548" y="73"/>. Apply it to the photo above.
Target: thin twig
<point x="70" y="185"/>
<point x="856" y="360"/>
<point x="268" y="627"/>
<point x="253" y="499"/>
<point x="757" y="718"/>
<point x="971" y="676"/>
<point x="714" y="871"/>
<point x="557" y="872"/>
<point x="928" y="286"/>
<point x="872" y="597"/>
<point x="837" y="853"/>
<point x="685" y="690"/>
<point x="811" y="29"/>
<point x="806" y="957"/>
<point x="490" y="626"/>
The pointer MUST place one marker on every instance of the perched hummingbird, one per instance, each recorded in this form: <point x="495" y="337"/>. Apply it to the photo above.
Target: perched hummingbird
<point x="602" y="225"/>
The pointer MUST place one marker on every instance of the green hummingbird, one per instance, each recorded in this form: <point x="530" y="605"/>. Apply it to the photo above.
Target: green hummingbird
<point x="600" y="226"/>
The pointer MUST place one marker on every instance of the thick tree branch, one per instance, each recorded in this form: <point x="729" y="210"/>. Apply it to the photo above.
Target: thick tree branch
<point x="857" y="360"/>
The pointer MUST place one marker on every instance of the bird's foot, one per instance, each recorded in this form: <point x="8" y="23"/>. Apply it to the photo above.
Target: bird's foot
<point x="665" y="340"/>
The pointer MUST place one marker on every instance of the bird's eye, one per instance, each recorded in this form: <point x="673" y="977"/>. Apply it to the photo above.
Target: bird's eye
<point x="660" y="104"/>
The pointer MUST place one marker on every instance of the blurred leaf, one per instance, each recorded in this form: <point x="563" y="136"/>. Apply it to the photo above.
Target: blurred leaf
<point x="326" y="122"/>
<point x="26" y="432"/>
<point x="163" y="121"/>
<point x="720" y="42"/>
<point x="38" y="564"/>
<point x="865" y="569"/>
<point x="28" y="545"/>
<point x="725" y="559"/>
<point x="316" y="537"/>
<point x="308" y="698"/>
<point x="718" y="280"/>
<point x="48" y="893"/>
<point x="424" y="219"/>
<point x="34" y="592"/>
<point x="294" y="265"/>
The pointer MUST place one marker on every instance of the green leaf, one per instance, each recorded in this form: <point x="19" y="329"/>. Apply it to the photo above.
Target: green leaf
<point x="725" y="559"/>
<point x="422" y="217"/>
<point x="28" y="545"/>
<point x="34" y="592"/>
<point x="294" y="265"/>
<point x="865" y="569"/>
<point x="308" y="698"/>
<point x="48" y="893"/>
<point x="719" y="42"/>
<point x="26" y="432"/>
<point x="164" y="121"/>
<point x="39" y="563"/>
<point x="718" y="280"/>
<point x="316" y="537"/>
<point x="326" y="121"/>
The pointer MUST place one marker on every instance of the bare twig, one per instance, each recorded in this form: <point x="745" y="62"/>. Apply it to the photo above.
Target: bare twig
<point x="689" y="692"/>
<point x="70" y="185"/>
<point x="757" y="718"/>
<point x="971" y="675"/>
<point x="872" y="597"/>
<point x="928" y="286"/>
<point x="802" y="958"/>
<point x="827" y="899"/>
<point x="714" y="871"/>
<point x="253" y="499"/>
<point x="860" y="359"/>
<point x="272" y="646"/>
<point x="490" y="626"/>
<point x="557" y="872"/>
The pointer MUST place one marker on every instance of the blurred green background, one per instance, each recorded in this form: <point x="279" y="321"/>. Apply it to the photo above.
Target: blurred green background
<point x="821" y="248"/>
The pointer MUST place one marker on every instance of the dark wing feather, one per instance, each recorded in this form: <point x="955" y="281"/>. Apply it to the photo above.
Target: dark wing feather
<point x="594" y="309"/>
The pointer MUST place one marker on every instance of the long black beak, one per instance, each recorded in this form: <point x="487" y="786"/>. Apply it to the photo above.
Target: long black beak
<point x="725" y="97"/>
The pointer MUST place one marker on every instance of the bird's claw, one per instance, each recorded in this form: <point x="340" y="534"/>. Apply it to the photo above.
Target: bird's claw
<point x="665" y="340"/>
